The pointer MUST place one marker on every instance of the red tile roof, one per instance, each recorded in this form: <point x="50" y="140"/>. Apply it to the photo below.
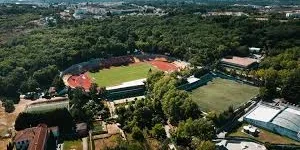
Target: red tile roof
<point x="239" y="61"/>
<point x="37" y="137"/>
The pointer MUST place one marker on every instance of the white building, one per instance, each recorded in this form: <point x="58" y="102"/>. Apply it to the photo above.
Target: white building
<point x="283" y="120"/>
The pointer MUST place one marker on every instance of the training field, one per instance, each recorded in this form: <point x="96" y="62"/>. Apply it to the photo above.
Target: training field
<point x="118" y="75"/>
<point x="220" y="93"/>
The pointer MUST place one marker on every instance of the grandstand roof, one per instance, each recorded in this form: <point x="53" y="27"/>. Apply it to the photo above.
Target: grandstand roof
<point x="289" y="118"/>
<point x="128" y="84"/>
<point x="239" y="61"/>
<point x="263" y="113"/>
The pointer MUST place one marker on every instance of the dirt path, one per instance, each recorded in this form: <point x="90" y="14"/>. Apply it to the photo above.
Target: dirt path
<point x="7" y="120"/>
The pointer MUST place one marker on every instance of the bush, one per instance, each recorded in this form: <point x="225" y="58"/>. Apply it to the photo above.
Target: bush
<point x="137" y="134"/>
<point x="9" y="106"/>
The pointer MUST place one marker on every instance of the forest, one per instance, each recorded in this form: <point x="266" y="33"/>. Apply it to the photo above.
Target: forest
<point x="33" y="58"/>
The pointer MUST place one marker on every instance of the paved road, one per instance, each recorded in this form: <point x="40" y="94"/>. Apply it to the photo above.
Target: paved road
<point x="85" y="143"/>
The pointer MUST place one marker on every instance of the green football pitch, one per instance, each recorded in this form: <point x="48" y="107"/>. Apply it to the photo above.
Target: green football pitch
<point x="220" y="93"/>
<point x="117" y="75"/>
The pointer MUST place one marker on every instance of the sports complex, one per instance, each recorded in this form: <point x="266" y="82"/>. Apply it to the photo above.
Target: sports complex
<point x="120" y="75"/>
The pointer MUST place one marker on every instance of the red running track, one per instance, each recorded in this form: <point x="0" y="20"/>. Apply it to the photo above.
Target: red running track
<point x="164" y="66"/>
<point x="82" y="80"/>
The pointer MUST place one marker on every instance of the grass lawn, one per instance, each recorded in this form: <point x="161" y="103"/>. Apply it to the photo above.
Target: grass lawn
<point x="118" y="75"/>
<point x="264" y="136"/>
<point x="97" y="126"/>
<point x="220" y="93"/>
<point x="73" y="145"/>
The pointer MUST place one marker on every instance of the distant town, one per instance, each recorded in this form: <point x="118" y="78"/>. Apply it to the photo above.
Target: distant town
<point x="149" y="75"/>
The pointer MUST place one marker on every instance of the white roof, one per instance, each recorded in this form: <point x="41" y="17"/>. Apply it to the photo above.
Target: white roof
<point x="263" y="113"/>
<point x="192" y="79"/>
<point x="241" y="145"/>
<point x="294" y="111"/>
<point x="128" y="84"/>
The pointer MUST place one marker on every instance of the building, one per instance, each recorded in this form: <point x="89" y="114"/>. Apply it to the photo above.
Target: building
<point x="34" y="138"/>
<point x="254" y="49"/>
<point x="126" y="89"/>
<point x="281" y="119"/>
<point x="240" y="63"/>
<point x="239" y="145"/>
<point x="293" y="15"/>
<point x="82" y="129"/>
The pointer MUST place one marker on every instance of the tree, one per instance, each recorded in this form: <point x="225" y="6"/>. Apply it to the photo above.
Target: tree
<point x="291" y="88"/>
<point x="242" y="51"/>
<point x="137" y="134"/>
<point x="58" y="82"/>
<point x="158" y="131"/>
<point x="206" y="145"/>
<point x="10" y="146"/>
<point x="94" y="92"/>
<point x="202" y="129"/>
<point x="8" y="106"/>
<point x="29" y="86"/>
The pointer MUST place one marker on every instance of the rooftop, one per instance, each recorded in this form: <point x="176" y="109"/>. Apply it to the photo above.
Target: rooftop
<point x="284" y="116"/>
<point x="37" y="137"/>
<point x="192" y="79"/>
<point x="239" y="61"/>
<point x="263" y="113"/>
<point x="128" y="84"/>
<point x="240" y="145"/>
<point x="289" y="119"/>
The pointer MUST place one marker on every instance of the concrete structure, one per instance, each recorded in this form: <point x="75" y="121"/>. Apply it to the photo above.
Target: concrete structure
<point x="126" y="89"/>
<point x="239" y="145"/>
<point x="280" y="119"/>
<point x="240" y="63"/>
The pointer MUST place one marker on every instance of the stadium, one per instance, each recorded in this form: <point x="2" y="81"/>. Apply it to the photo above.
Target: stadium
<point x="122" y="76"/>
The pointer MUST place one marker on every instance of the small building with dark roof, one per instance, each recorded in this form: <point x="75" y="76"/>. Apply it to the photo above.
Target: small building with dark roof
<point x="82" y="129"/>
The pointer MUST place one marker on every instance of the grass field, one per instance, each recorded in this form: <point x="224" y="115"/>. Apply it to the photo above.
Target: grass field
<point x="118" y="75"/>
<point x="73" y="145"/>
<point x="38" y="108"/>
<point x="220" y="93"/>
<point x="264" y="136"/>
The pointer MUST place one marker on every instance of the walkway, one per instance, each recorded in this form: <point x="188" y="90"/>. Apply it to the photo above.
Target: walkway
<point x="85" y="143"/>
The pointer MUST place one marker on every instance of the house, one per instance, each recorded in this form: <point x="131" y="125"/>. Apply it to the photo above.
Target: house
<point x="240" y="63"/>
<point x="34" y="138"/>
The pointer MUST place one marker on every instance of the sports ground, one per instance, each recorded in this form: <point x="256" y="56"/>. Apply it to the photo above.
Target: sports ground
<point x="118" y="75"/>
<point x="112" y="75"/>
<point x="220" y="93"/>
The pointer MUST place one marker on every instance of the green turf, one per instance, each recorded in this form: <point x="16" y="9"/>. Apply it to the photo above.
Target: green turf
<point x="73" y="145"/>
<point x="45" y="107"/>
<point x="264" y="136"/>
<point x="118" y="75"/>
<point x="220" y="93"/>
